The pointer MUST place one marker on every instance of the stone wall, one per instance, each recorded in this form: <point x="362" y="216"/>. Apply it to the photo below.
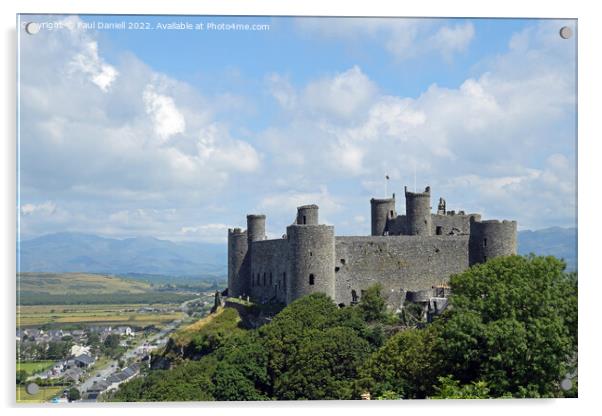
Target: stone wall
<point x="399" y="263"/>
<point x="269" y="270"/>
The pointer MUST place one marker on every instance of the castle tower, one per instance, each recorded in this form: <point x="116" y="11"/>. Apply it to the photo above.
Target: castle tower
<point x="489" y="239"/>
<point x="307" y="215"/>
<point x="311" y="254"/>
<point x="238" y="271"/>
<point x="418" y="212"/>
<point x="382" y="211"/>
<point x="255" y="227"/>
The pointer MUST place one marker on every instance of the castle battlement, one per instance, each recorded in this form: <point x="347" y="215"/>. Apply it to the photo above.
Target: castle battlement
<point x="405" y="253"/>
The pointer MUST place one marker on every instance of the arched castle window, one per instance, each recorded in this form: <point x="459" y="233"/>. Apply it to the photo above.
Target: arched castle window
<point x="312" y="279"/>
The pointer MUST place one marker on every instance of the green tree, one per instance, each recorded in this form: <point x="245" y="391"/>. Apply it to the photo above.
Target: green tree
<point x="73" y="394"/>
<point x="406" y="365"/>
<point x="372" y="304"/>
<point x="21" y="376"/>
<point x="449" y="388"/>
<point x="324" y="365"/>
<point x="513" y="325"/>
<point x="231" y="385"/>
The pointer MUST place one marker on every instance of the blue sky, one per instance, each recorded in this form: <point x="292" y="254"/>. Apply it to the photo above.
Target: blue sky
<point x="179" y="134"/>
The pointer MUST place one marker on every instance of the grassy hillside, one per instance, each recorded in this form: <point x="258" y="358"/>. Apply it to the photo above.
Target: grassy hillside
<point x="78" y="283"/>
<point x="85" y="288"/>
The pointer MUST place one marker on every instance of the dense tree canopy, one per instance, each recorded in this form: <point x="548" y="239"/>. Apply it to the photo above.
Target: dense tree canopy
<point x="510" y="331"/>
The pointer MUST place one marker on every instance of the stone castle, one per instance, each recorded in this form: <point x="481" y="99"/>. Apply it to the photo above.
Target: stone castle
<point x="405" y="253"/>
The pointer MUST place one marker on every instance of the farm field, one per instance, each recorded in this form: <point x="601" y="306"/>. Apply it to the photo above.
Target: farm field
<point x="43" y="395"/>
<point x="74" y="283"/>
<point x="57" y="315"/>
<point x="33" y="367"/>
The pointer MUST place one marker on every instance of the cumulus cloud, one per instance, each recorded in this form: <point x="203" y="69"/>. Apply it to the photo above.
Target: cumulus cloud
<point x="136" y="152"/>
<point x="45" y="208"/>
<point x="162" y="108"/>
<point x="404" y="39"/>
<point x="498" y="137"/>
<point x="343" y="95"/>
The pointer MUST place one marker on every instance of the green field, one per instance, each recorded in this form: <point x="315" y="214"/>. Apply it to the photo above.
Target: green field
<point x="86" y="288"/>
<point x="77" y="283"/>
<point x="43" y="395"/>
<point x="37" y="315"/>
<point x="33" y="367"/>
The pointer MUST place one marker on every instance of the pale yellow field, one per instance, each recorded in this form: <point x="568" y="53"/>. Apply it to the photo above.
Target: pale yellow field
<point x="43" y="395"/>
<point x="62" y="283"/>
<point x="65" y="314"/>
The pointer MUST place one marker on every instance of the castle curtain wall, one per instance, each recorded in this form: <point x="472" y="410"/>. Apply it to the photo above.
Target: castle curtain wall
<point x="399" y="263"/>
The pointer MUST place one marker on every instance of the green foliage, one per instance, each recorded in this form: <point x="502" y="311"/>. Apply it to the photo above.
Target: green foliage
<point x="449" y="388"/>
<point x="511" y="331"/>
<point x="21" y="376"/>
<point x="73" y="394"/>
<point x="323" y="366"/>
<point x="513" y="325"/>
<point x="190" y="381"/>
<point x="405" y="365"/>
<point x="230" y="384"/>
<point x="56" y="350"/>
<point x="213" y="334"/>
<point x="372" y="304"/>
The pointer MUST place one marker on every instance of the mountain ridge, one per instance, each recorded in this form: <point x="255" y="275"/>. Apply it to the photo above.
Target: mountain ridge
<point x="66" y="252"/>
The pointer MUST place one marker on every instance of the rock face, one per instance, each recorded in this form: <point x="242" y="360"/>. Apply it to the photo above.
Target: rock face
<point x="412" y="252"/>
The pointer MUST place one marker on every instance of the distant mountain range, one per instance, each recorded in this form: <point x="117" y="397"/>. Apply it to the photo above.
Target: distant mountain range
<point x="75" y="252"/>
<point x="555" y="241"/>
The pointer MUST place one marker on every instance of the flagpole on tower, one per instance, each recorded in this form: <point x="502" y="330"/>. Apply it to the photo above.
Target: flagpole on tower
<point x="386" y="182"/>
<point x="414" y="176"/>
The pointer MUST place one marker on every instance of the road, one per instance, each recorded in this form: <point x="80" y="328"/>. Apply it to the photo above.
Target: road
<point x="111" y="367"/>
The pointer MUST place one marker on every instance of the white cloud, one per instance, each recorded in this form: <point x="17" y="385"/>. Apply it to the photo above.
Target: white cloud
<point x="344" y="95"/>
<point x="45" y="208"/>
<point x="404" y="39"/>
<point x="453" y="39"/>
<point x="281" y="89"/>
<point x="89" y="62"/>
<point x="284" y="204"/>
<point x="498" y="138"/>
<point x="166" y="117"/>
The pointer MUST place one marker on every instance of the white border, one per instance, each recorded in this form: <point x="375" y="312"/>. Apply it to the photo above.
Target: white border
<point x="589" y="197"/>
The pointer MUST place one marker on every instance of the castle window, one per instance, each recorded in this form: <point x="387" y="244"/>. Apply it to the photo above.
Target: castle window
<point x="336" y="269"/>
<point x="353" y="296"/>
<point x="439" y="230"/>
<point x="312" y="279"/>
<point x="484" y="242"/>
<point x="284" y="279"/>
<point x="311" y="254"/>
<point x="484" y="258"/>
<point x="391" y="213"/>
<point x="264" y="280"/>
<point x="343" y="262"/>
<point x="270" y="278"/>
<point x="304" y="220"/>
